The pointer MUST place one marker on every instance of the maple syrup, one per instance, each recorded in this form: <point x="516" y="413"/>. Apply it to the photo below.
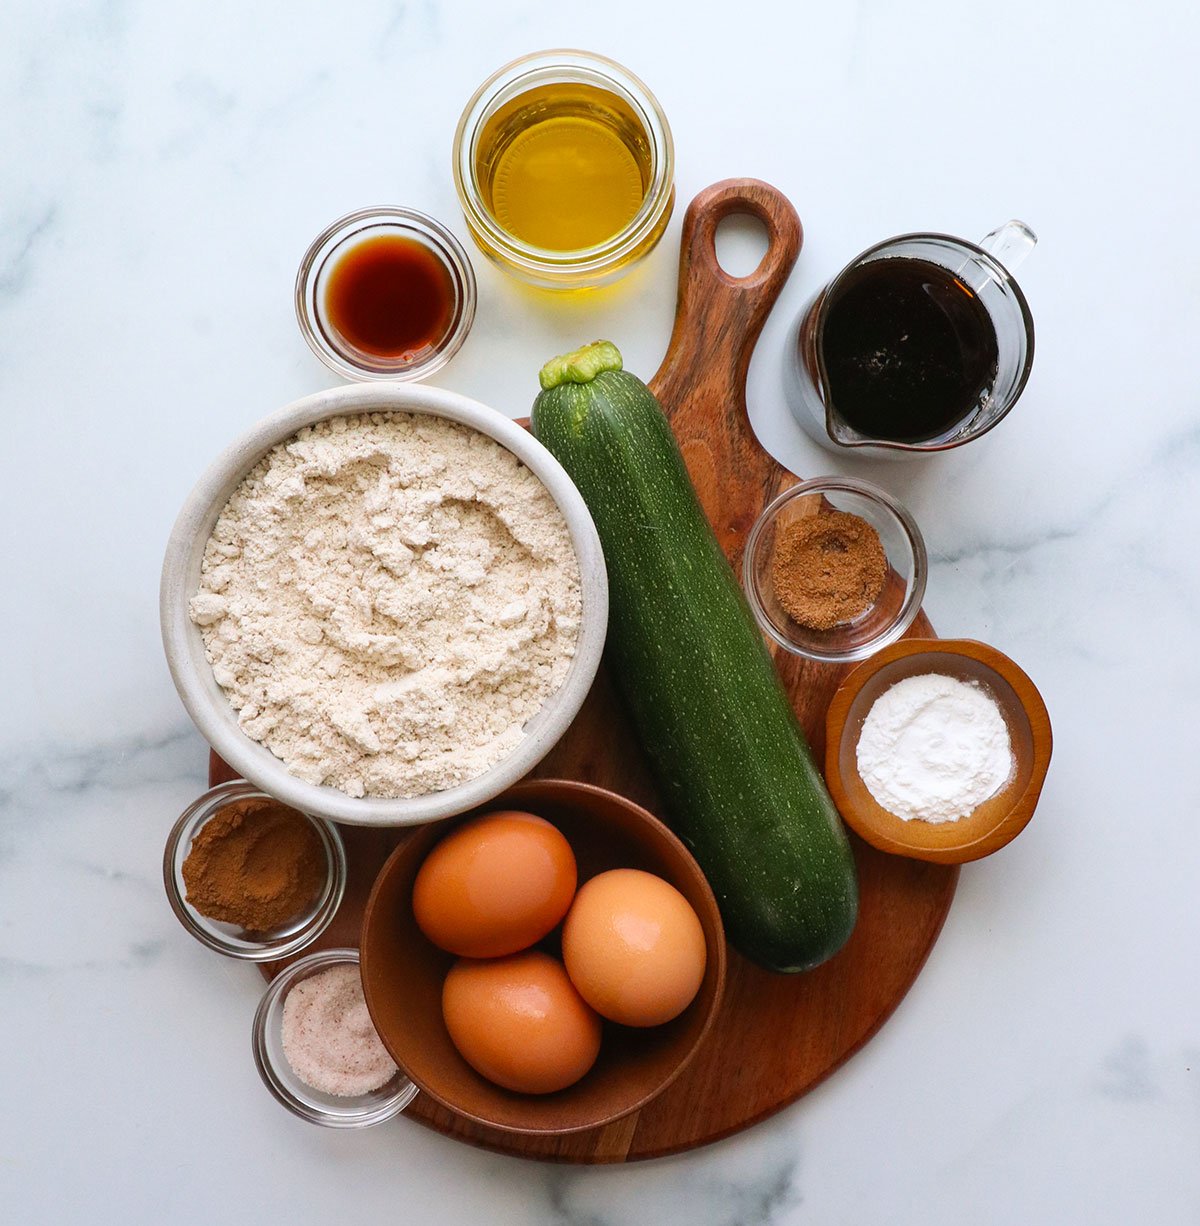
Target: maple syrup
<point x="909" y="350"/>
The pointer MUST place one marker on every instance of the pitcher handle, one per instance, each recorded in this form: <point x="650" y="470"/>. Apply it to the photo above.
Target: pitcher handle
<point x="1009" y="244"/>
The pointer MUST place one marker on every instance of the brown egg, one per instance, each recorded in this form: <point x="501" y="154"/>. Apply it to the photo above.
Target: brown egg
<point x="518" y="1022"/>
<point x="496" y="884"/>
<point x="634" y="947"/>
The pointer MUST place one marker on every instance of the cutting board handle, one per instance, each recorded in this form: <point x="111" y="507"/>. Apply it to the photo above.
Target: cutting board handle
<point x="718" y="318"/>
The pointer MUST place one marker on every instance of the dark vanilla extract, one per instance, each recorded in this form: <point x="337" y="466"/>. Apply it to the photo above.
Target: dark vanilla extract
<point x="390" y="296"/>
<point x="910" y="352"/>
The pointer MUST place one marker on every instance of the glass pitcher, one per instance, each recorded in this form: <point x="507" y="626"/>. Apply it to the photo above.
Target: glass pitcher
<point x="984" y="269"/>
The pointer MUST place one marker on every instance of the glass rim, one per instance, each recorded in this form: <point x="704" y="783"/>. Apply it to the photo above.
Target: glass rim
<point x="999" y="274"/>
<point x="438" y="239"/>
<point x="908" y="610"/>
<point x="589" y="68"/>
<point x="203" y="809"/>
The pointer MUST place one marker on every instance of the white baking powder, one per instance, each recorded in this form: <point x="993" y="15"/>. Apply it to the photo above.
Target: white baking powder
<point x="934" y="748"/>
<point x="387" y="600"/>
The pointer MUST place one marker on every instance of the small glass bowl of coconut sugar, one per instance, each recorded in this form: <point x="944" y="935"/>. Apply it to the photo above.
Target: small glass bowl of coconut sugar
<point x="895" y="602"/>
<point x="333" y="1043"/>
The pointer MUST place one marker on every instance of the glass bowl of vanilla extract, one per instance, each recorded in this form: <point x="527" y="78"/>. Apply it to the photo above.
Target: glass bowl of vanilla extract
<point x="385" y="293"/>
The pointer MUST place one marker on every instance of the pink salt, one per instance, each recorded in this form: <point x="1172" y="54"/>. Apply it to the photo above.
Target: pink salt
<point x="328" y="1037"/>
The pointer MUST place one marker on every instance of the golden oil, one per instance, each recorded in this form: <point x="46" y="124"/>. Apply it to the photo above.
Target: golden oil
<point x="564" y="166"/>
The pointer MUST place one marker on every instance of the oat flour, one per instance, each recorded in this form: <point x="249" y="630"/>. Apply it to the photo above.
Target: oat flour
<point x="386" y="600"/>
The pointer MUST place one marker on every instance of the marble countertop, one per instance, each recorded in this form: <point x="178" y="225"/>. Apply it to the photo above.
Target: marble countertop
<point x="164" y="167"/>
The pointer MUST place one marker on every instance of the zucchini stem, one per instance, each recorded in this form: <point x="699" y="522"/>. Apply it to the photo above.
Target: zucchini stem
<point x="581" y="365"/>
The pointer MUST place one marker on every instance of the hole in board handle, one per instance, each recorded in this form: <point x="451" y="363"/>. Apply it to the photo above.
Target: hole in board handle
<point x="741" y="242"/>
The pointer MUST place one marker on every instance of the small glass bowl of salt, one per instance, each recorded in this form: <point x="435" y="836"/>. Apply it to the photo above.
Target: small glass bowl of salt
<point x="331" y="1041"/>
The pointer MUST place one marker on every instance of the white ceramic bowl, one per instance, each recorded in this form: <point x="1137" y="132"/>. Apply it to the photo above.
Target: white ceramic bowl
<point x="211" y="710"/>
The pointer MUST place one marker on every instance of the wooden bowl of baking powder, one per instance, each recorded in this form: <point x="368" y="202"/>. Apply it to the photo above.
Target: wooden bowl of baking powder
<point x="210" y="707"/>
<point x="993" y="823"/>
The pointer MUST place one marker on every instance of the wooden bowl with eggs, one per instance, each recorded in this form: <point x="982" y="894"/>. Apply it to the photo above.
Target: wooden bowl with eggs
<point x="404" y="972"/>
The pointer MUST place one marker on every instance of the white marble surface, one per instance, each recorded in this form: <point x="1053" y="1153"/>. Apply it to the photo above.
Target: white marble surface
<point x="163" y="167"/>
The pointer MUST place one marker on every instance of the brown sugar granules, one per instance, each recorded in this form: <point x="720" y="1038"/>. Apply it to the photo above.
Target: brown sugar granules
<point x="827" y="569"/>
<point x="255" y="863"/>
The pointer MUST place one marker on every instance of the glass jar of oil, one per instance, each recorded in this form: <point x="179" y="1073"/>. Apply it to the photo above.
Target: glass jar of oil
<point x="565" y="169"/>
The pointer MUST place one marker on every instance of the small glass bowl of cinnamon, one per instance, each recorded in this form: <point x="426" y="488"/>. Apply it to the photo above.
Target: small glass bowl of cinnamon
<point x="250" y="877"/>
<point x="835" y="569"/>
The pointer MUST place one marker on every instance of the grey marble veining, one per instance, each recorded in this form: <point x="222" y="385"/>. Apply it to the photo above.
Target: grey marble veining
<point x="22" y="237"/>
<point x="162" y="168"/>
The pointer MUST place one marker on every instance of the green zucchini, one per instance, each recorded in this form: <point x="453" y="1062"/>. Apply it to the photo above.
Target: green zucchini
<point x="739" y="781"/>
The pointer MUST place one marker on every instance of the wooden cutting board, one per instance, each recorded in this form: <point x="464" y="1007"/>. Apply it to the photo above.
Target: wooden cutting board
<point x="776" y="1035"/>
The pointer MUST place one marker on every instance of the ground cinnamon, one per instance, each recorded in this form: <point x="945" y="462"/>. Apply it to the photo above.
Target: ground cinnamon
<point x="828" y="569"/>
<point x="255" y="863"/>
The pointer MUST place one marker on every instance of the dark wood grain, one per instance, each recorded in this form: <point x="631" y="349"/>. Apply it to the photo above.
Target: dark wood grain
<point x="776" y="1036"/>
